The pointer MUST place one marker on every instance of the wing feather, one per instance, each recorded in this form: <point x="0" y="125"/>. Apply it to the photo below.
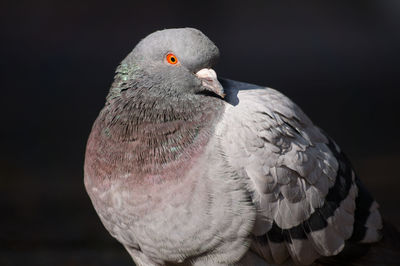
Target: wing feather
<point x="303" y="186"/>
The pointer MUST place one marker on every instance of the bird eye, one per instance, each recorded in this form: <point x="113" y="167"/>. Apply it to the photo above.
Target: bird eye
<point x="171" y="58"/>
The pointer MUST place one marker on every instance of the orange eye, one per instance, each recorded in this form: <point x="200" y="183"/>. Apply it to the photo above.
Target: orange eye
<point x="171" y="58"/>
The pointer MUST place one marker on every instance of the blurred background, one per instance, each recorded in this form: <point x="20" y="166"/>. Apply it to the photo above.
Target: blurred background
<point x="339" y="60"/>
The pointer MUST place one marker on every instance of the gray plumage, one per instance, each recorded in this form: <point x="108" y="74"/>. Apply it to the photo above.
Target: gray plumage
<point x="179" y="174"/>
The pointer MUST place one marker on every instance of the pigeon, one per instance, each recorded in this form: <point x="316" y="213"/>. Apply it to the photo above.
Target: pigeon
<point x="185" y="168"/>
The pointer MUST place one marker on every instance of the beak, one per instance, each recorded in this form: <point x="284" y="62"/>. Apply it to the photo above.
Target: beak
<point x="209" y="80"/>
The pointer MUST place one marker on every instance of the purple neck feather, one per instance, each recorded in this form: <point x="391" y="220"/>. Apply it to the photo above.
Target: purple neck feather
<point x="140" y="136"/>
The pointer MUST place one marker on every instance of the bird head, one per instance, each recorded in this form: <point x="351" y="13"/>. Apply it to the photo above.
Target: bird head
<point x="172" y="62"/>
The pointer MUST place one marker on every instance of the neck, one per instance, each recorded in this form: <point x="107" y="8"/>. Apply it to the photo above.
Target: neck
<point x="150" y="133"/>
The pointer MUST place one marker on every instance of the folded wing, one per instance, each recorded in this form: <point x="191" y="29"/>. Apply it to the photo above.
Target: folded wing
<point x="309" y="199"/>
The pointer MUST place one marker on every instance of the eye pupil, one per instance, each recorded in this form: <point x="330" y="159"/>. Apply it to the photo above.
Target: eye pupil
<point x="172" y="59"/>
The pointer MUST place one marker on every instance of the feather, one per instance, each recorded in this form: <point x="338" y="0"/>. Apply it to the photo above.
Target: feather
<point x="278" y="250"/>
<point x="327" y="241"/>
<point x="302" y="251"/>
<point x="302" y="184"/>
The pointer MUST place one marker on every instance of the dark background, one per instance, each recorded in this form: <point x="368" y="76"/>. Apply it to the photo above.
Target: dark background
<point x="339" y="60"/>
